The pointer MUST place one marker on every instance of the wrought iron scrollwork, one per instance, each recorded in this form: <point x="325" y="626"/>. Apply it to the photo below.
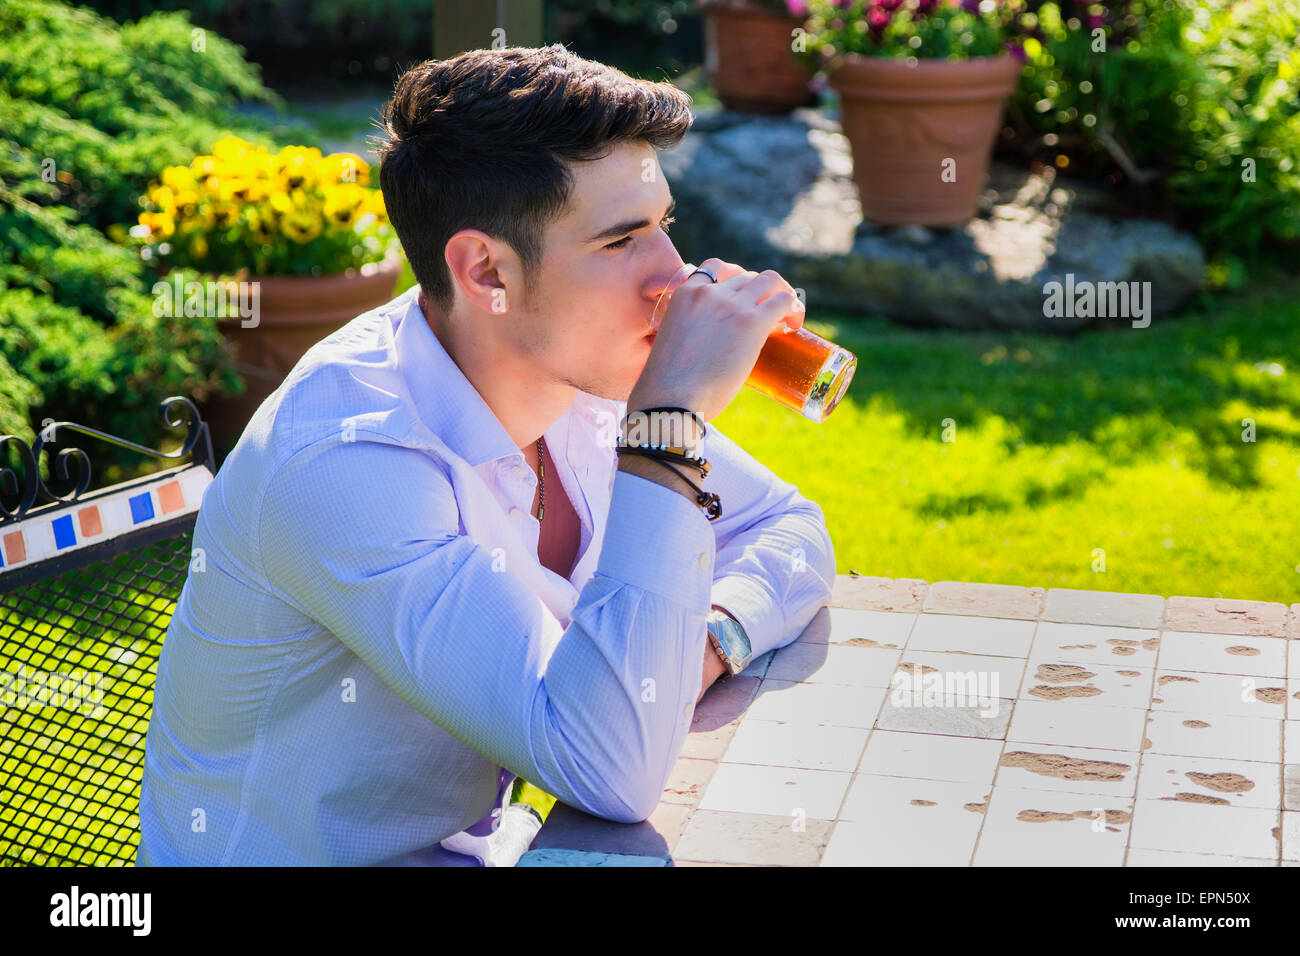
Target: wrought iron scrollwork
<point x="174" y="412"/>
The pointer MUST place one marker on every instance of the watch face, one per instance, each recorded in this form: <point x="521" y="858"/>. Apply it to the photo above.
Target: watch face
<point x="735" y="642"/>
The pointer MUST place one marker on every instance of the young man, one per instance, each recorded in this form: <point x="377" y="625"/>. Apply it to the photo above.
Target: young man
<point x="426" y="569"/>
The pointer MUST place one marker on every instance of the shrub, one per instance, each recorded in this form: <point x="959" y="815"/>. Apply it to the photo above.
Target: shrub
<point x="1184" y="103"/>
<point x="88" y="114"/>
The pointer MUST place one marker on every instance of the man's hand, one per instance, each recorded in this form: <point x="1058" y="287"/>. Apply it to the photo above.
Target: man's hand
<point x="713" y="668"/>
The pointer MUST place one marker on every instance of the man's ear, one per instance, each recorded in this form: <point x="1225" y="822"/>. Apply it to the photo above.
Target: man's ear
<point x="480" y="267"/>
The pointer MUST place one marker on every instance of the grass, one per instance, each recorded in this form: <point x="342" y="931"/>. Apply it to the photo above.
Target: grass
<point x="1110" y="461"/>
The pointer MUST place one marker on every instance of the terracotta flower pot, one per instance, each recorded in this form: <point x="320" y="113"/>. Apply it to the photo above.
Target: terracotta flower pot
<point x="294" y="313"/>
<point x="904" y="123"/>
<point x="749" y="61"/>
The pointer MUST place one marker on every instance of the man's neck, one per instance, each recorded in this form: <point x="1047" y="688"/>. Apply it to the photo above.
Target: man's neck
<point x="525" y="407"/>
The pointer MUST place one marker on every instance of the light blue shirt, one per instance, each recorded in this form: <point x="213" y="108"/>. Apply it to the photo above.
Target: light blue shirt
<point x="367" y="649"/>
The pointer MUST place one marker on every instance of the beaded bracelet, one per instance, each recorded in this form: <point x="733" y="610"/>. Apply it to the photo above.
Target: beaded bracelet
<point x="711" y="502"/>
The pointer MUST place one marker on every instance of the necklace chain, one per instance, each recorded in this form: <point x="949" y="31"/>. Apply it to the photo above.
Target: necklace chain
<point x="541" y="481"/>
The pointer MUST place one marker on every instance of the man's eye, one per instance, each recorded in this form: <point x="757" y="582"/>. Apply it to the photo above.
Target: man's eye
<point x="663" y="224"/>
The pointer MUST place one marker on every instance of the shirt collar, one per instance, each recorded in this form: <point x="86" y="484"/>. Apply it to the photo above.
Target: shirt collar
<point x="450" y="406"/>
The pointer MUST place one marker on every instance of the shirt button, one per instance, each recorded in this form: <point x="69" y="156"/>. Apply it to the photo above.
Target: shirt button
<point x="686" y="711"/>
<point x="702" y="560"/>
<point x="516" y="514"/>
<point x="517" y="471"/>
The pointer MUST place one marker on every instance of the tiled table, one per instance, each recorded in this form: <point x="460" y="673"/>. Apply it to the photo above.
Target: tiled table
<point x="1035" y="727"/>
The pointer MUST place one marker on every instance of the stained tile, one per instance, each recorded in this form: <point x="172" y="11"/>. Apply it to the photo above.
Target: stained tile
<point x="1049" y="678"/>
<point x="1203" y="828"/>
<point x="1228" y="694"/>
<point x="879" y="594"/>
<point x="971" y="635"/>
<point x="776" y="791"/>
<point x="1290" y="786"/>
<point x="1000" y="675"/>
<point x="1107" y="773"/>
<point x="894" y="821"/>
<point x="835" y="704"/>
<point x="931" y="757"/>
<point x="986" y="600"/>
<point x="1225" y="616"/>
<point x="715" y="836"/>
<point x="1223" y="653"/>
<point x="794" y="744"/>
<point x="987" y="719"/>
<point x="1242" y="783"/>
<point x="689" y="777"/>
<point x="1096" y="644"/>
<point x="1195" y="734"/>
<point x="1042" y="828"/>
<point x="1106" y="728"/>
<point x="862" y="628"/>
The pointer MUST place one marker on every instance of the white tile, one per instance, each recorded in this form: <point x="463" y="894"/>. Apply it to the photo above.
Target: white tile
<point x="1068" y="770"/>
<point x="834" y="664"/>
<point x="1291" y="835"/>
<point x="918" y="715"/>
<point x="1293" y="698"/>
<point x="1041" y="828"/>
<point x="1141" y="857"/>
<point x="1231" y="695"/>
<point x="1073" y="684"/>
<point x="780" y="791"/>
<point x="811" y="746"/>
<point x="957" y="633"/>
<point x="1046" y="722"/>
<point x="835" y="704"/>
<point x="1291" y="730"/>
<point x="1097" y="644"/>
<point x="892" y="821"/>
<point x="1203" y="828"/>
<point x="863" y="628"/>
<point x="931" y="757"/>
<point x="1243" y="783"/>
<point x="1223" y="653"/>
<point x="1001" y="674"/>
<point x="1235" y="738"/>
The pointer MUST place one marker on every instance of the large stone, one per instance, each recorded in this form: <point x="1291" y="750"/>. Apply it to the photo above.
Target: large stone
<point x="777" y="192"/>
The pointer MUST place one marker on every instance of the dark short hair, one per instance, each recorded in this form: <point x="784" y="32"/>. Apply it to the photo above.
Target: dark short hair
<point x="481" y="141"/>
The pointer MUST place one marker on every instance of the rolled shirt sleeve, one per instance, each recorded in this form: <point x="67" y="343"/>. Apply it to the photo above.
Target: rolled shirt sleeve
<point x="599" y="721"/>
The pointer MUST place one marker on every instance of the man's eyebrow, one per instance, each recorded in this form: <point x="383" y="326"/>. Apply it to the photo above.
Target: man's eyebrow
<point x="630" y="225"/>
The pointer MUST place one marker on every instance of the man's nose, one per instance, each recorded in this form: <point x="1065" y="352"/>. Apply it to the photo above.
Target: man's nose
<point x="663" y="276"/>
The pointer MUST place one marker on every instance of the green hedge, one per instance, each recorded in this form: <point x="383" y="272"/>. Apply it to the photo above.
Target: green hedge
<point x="89" y="113"/>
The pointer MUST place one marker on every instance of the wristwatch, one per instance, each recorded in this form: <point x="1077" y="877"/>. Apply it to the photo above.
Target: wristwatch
<point x="729" y="640"/>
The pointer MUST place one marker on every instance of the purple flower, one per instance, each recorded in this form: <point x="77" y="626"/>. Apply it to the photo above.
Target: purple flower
<point x="797" y="8"/>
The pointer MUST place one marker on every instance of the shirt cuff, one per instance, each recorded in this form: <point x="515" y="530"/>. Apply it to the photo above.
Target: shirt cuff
<point x="658" y="540"/>
<point x="754" y="606"/>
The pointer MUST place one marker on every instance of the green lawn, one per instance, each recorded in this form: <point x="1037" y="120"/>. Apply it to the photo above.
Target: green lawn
<point x="1123" y="441"/>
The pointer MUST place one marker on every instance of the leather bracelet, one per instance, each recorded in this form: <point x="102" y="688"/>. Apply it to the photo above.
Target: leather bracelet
<point x="687" y="450"/>
<point x="666" y="454"/>
<point x="709" y="501"/>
